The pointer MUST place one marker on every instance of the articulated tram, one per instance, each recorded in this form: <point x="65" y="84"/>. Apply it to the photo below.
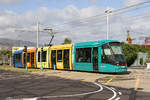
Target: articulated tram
<point x="94" y="56"/>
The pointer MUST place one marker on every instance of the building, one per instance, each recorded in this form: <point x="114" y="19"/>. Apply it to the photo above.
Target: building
<point x="141" y="60"/>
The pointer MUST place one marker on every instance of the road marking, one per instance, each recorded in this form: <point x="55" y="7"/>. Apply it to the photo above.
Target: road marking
<point x="115" y="94"/>
<point x="137" y="81"/>
<point x="36" y="98"/>
<point x="113" y="88"/>
<point x="118" y="98"/>
<point x="119" y="93"/>
<point x="100" y="89"/>
<point x="107" y="82"/>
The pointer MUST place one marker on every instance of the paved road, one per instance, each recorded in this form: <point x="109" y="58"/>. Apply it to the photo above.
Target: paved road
<point x="19" y="85"/>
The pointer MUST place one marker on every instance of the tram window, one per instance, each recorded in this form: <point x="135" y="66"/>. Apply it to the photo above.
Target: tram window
<point x="107" y="56"/>
<point x="15" y="57"/>
<point x="59" y="55"/>
<point x="18" y="57"/>
<point x="24" y="58"/>
<point x="44" y="56"/>
<point x="32" y="57"/>
<point x="83" y="55"/>
<point x="14" y="60"/>
<point x="39" y="55"/>
<point x="28" y="57"/>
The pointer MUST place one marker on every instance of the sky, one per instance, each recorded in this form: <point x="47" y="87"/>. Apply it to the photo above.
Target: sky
<point x="79" y="20"/>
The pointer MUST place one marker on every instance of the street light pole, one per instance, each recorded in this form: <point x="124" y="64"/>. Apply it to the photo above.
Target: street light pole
<point x="37" y="32"/>
<point x="107" y="12"/>
<point x="37" y="35"/>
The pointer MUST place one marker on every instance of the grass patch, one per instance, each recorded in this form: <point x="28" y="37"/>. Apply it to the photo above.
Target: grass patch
<point x="11" y="68"/>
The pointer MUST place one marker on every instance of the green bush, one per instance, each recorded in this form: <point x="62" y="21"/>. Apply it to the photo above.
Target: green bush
<point x="67" y="41"/>
<point x="148" y="59"/>
<point x="5" y="52"/>
<point x="131" y="52"/>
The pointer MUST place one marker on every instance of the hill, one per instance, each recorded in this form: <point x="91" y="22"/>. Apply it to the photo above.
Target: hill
<point x="9" y="43"/>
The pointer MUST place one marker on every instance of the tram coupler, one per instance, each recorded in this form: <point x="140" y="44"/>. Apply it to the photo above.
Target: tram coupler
<point x="41" y="68"/>
<point x="26" y="69"/>
<point x="54" y="67"/>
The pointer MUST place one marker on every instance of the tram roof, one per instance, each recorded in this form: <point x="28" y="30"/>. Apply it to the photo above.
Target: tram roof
<point x="63" y="46"/>
<point x="31" y="50"/>
<point x="44" y="48"/>
<point x="17" y="52"/>
<point x="94" y="43"/>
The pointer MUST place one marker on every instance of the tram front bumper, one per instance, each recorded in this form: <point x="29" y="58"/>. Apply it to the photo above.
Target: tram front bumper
<point x="121" y="69"/>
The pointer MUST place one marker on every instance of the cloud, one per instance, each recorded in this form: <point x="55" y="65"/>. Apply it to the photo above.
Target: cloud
<point x="48" y="17"/>
<point x="81" y="27"/>
<point x="9" y="1"/>
<point x="132" y="2"/>
<point x="93" y="1"/>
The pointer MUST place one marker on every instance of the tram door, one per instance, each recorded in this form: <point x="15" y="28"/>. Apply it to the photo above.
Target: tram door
<point x="53" y="58"/>
<point x="95" y="59"/>
<point x="32" y="59"/>
<point x="24" y="60"/>
<point x="66" y="59"/>
<point x="28" y="60"/>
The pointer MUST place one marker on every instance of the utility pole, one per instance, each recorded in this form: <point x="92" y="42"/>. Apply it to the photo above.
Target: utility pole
<point x="47" y="30"/>
<point x="107" y="12"/>
<point x="37" y="33"/>
<point x="37" y="45"/>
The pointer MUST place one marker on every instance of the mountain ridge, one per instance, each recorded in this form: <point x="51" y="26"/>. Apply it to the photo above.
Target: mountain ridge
<point x="5" y="42"/>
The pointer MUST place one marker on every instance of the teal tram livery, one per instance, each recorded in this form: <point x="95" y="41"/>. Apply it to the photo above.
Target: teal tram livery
<point x="99" y="56"/>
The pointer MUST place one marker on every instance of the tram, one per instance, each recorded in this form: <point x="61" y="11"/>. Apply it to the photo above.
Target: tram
<point x="61" y="57"/>
<point x="30" y="59"/>
<point x="43" y="58"/>
<point x="99" y="56"/>
<point x="94" y="56"/>
<point x="17" y="58"/>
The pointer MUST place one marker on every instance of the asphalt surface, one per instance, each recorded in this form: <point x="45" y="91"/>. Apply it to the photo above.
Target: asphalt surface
<point x="26" y="86"/>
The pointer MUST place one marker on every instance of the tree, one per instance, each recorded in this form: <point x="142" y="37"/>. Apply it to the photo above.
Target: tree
<point x="131" y="52"/>
<point x="5" y="55"/>
<point x="5" y="52"/>
<point x="67" y="41"/>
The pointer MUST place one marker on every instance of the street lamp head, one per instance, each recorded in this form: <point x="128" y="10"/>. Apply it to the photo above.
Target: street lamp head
<point x="108" y="11"/>
<point x="47" y="29"/>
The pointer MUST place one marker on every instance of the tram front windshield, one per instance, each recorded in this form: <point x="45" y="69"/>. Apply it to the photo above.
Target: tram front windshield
<point x="112" y="54"/>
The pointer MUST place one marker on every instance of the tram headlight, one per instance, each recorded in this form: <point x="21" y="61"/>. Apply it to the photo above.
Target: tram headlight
<point x="123" y="66"/>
